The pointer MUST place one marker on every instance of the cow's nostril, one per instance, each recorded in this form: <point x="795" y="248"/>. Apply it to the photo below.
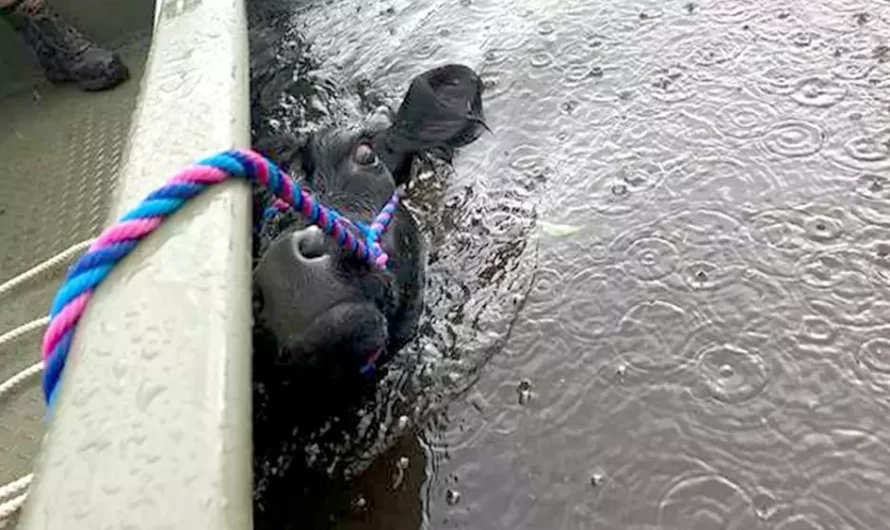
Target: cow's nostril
<point x="309" y="243"/>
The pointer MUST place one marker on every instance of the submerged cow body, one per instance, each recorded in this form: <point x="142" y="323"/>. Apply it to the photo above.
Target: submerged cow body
<point x="320" y="313"/>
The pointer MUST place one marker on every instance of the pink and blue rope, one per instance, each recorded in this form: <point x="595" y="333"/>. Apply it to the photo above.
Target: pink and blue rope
<point x="118" y="240"/>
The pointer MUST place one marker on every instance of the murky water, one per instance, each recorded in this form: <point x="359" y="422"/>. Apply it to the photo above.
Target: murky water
<point x="659" y="292"/>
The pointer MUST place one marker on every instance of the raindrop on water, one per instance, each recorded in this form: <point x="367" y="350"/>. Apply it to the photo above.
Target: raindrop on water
<point x="620" y="190"/>
<point x="524" y="390"/>
<point x="597" y="478"/>
<point x="452" y="497"/>
<point x="765" y="506"/>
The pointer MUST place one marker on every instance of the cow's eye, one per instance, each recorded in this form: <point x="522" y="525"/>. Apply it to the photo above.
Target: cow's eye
<point x="364" y="154"/>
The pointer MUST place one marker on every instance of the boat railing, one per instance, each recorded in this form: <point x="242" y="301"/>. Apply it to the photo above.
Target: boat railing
<point x="152" y="427"/>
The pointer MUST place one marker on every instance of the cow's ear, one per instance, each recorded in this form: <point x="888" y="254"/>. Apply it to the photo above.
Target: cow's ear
<point x="441" y="111"/>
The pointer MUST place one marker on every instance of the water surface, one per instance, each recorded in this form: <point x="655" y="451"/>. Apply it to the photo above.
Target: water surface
<point x="658" y="292"/>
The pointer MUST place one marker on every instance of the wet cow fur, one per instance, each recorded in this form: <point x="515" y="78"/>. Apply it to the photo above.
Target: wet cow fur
<point x="319" y="312"/>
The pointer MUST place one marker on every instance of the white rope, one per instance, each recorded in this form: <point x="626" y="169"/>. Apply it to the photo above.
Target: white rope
<point x="19" y="487"/>
<point x="16" y="487"/>
<point x="24" y="329"/>
<point x="19" y="378"/>
<point x="8" y="509"/>
<point x="62" y="257"/>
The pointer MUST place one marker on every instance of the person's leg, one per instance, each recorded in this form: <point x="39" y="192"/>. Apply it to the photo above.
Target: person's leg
<point x="63" y="52"/>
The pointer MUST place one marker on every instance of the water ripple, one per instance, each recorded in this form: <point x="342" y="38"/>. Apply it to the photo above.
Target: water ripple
<point x="873" y="361"/>
<point x="863" y="146"/>
<point x="818" y="92"/>
<point x="794" y="139"/>
<point x="705" y="344"/>
<point x="705" y="501"/>
<point x="745" y="118"/>
<point x="650" y="258"/>
<point x="656" y="336"/>
<point x="731" y="374"/>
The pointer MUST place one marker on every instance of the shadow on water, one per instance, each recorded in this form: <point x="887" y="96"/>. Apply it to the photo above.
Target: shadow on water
<point x="672" y="259"/>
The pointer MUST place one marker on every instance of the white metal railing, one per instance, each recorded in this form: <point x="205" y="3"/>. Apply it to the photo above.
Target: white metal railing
<point x="152" y="428"/>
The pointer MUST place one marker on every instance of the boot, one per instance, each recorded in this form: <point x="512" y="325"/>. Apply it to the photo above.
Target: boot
<point x="63" y="52"/>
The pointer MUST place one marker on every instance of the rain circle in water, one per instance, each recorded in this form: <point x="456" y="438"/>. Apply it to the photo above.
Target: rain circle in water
<point x="854" y="68"/>
<point x="528" y="159"/>
<point x="802" y="39"/>
<point x="495" y="84"/>
<point x="541" y="59"/>
<point x="744" y="119"/>
<point x="794" y="139"/>
<point x="818" y="92"/>
<point x="715" y="51"/>
<point x="655" y="336"/>
<point x="548" y="286"/>
<point x="576" y="74"/>
<point x="817" y="330"/>
<point x="778" y="81"/>
<point x="861" y="148"/>
<point x="546" y="27"/>
<point x="823" y="229"/>
<point x="651" y="258"/>
<point x="638" y="175"/>
<point x="731" y="374"/>
<point x="875" y="355"/>
<point x="709" y="501"/>
<point x="872" y="361"/>
<point x="765" y="506"/>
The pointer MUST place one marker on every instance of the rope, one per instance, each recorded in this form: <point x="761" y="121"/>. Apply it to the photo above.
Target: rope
<point x="15" y="487"/>
<point x="62" y="257"/>
<point x="22" y="330"/>
<point x="117" y="241"/>
<point x="19" y="488"/>
<point x="8" y="509"/>
<point x="10" y="384"/>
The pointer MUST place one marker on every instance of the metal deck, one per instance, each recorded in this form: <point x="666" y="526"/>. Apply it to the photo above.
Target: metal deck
<point x="175" y="314"/>
<point x="60" y="150"/>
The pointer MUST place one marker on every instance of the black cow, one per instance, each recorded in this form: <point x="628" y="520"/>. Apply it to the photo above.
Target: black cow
<point x="320" y="313"/>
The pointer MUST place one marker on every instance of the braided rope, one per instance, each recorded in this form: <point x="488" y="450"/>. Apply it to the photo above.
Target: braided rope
<point x="118" y="240"/>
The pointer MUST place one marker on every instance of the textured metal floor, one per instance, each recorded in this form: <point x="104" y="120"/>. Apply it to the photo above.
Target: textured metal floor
<point x="60" y="149"/>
